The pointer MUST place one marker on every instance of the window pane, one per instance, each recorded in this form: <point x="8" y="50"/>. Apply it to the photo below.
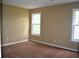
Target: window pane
<point x="76" y="32"/>
<point x="36" y="19"/>
<point x="76" y="18"/>
<point x="36" y="23"/>
<point x="35" y="29"/>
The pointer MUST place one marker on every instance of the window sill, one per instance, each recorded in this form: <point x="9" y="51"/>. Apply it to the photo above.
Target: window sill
<point x="75" y="41"/>
<point x="36" y="34"/>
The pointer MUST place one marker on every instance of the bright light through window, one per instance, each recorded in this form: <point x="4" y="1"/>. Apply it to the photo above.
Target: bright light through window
<point x="75" y="26"/>
<point x="36" y="19"/>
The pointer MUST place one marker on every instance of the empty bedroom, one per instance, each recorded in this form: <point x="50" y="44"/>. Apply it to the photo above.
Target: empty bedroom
<point x="40" y="29"/>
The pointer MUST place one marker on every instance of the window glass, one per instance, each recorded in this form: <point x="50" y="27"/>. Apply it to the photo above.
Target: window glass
<point x="36" y="23"/>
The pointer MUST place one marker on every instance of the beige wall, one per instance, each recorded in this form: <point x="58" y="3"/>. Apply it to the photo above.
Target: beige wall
<point x="56" y="25"/>
<point x="15" y="24"/>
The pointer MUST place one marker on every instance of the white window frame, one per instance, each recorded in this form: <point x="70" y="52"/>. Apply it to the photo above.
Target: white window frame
<point x="73" y="19"/>
<point x="35" y="34"/>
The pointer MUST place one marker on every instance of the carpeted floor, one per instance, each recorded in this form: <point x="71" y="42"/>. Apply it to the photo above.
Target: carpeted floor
<point x="31" y="49"/>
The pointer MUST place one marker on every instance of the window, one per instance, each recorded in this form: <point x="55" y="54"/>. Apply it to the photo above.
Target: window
<point x="36" y="19"/>
<point x="75" y="25"/>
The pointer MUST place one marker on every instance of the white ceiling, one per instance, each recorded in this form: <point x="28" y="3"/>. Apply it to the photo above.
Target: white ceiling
<point x="30" y="4"/>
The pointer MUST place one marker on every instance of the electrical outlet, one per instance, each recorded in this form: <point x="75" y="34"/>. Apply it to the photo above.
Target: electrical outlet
<point x="55" y="40"/>
<point x="7" y="39"/>
<point x="60" y="41"/>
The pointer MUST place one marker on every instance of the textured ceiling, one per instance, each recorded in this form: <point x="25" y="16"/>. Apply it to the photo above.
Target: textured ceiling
<point x="30" y="4"/>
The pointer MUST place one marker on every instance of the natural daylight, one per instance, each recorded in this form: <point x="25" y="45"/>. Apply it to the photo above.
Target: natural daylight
<point x="39" y="28"/>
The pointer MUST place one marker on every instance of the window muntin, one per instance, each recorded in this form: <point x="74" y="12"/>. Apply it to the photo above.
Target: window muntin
<point x="36" y="19"/>
<point x="75" y="25"/>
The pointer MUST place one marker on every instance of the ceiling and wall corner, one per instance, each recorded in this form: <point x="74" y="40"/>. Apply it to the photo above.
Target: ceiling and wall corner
<point x="31" y="4"/>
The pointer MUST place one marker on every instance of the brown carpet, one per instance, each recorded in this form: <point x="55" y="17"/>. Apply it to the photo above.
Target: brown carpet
<point x="35" y="50"/>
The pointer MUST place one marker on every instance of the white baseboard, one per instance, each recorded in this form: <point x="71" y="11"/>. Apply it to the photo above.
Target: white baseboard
<point x="55" y="45"/>
<point x="15" y="42"/>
